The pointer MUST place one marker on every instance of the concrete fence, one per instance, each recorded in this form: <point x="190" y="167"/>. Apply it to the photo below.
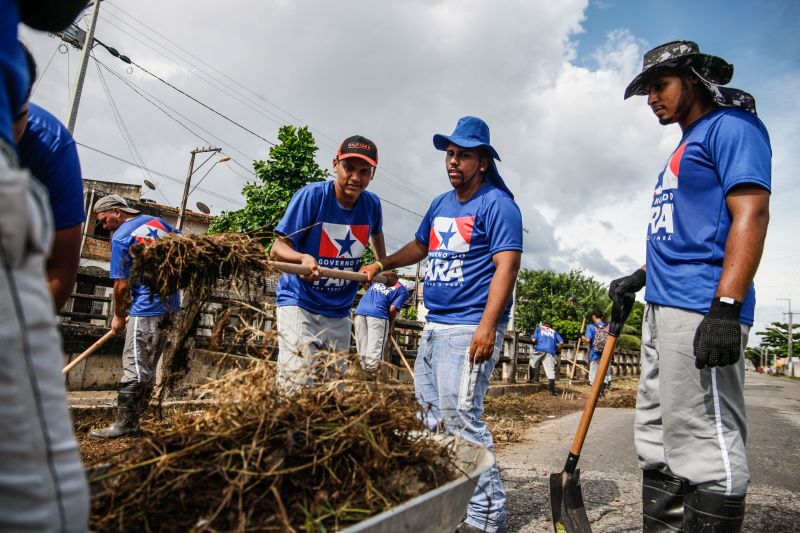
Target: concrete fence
<point x="216" y="348"/>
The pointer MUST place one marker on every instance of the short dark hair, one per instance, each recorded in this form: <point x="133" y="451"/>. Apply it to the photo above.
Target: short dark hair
<point x="598" y="313"/>
<point x="32" y="70"/>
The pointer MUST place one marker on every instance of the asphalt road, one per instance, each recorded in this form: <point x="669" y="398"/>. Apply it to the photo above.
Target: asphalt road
<point x="611" y="479"/>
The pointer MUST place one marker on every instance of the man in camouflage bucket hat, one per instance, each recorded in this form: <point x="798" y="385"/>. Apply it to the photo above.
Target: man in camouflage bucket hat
<point x="705" y="236"/>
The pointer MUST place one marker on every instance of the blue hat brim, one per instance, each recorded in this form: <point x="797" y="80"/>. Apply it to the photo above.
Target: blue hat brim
<point x="441" y="142"/>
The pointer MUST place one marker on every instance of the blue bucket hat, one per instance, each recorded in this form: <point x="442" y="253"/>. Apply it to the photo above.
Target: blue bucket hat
<point x="472" y="132"/>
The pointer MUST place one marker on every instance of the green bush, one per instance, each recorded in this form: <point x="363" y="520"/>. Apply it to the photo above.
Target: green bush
<point x="629" y="342"/>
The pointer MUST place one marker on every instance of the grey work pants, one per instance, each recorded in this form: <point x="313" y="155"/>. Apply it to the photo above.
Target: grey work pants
<point x="42" y="484"/>
<point x="690" y="423"/>
<point x="301" y="336"/>
<point x="548" y="360"/>
<point x="143" y="347"/>
<point x="371" y="334"/>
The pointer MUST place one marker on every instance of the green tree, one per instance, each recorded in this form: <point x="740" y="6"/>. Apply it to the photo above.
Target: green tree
<point x="288" y="168"/>
<point x="558" y="297"/>
<point x="776" y="339"/>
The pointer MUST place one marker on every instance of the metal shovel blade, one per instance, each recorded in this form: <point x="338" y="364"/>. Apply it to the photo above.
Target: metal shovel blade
<point x="566" y="503"/>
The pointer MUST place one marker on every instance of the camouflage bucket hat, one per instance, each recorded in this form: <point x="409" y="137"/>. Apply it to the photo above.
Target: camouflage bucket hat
<point x="712" y="71"/>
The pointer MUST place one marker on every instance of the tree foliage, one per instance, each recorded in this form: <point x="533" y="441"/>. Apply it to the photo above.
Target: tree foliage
<point x="561" y="298"/>
<point x="288" y="168"/>
<point x="776" y="339"/>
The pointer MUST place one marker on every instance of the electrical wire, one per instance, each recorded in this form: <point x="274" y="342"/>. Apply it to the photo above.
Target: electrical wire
<point x="392" y="176"/>
<point x="116" y="54"/>
<point x="160" y="174"/>
<point x="36" y="85"/>
<point x="150" y="99"/>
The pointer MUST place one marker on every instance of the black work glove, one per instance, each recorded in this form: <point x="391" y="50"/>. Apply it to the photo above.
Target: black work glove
<point x="718" y="339"/>
<point x="620" y="310"/>
<point x="626" y="285"/>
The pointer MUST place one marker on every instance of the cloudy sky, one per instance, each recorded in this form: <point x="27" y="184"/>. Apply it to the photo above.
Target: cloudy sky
<point x="548" y="78"/>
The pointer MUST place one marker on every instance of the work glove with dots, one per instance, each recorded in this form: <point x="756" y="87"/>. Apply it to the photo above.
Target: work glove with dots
<point x="718" y="339"/>
<point x="626" y="285"/>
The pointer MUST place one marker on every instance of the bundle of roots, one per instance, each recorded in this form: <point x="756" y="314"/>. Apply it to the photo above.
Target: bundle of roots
<point x="182" y="261"/>
<point x="317" y="460"/>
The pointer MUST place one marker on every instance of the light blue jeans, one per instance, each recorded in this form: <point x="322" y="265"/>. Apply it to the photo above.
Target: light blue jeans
<point x="450" y="392"/>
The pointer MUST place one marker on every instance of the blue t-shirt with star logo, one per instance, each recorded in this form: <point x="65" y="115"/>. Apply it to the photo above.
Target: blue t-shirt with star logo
<point x="547" y="339"/>
<point x="379" y="298"/>
<point x="336" y="237"/>
<point x="591" y="333"/>
<point x="461" y="238"/>
<point x="140" y="229"/>
<point x="689" y="217"/>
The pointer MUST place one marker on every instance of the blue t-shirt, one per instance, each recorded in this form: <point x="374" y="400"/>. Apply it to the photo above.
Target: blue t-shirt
<point x="461" y="238"/>
<point x="547" y="339"/>
<point x="379" y="298"/>
<point x="13" y="69"/>
<point x="141" y="229"/>
<point x="318" y="225"/>
<point x="48" y="150"/>
<point x="591" y="331"/>
<point x="689" y="219"/>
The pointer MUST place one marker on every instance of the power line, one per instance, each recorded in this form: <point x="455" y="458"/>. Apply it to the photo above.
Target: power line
<point x="249" y="103"/>
<point x="125" y="59"/>
<point x="160" y="174"/>
<point x="141" y="92"/>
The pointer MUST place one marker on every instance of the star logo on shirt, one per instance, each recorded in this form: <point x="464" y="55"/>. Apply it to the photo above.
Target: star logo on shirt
<point x="152" y="233"/>
<point x="446" y="235"/>
<point x="345" y="245"/>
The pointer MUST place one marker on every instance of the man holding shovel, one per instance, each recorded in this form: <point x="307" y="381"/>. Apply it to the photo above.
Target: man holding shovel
<point x="143" y="343"/>
<point x="705" y="237"/>
<point x="327" y="224"/>
<point x="472" y="237"/>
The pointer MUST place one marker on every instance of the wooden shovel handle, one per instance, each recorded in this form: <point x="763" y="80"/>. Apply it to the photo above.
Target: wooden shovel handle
<point x="89" y="351"/>
<point x="293" y="268"/>
<point x="594" y="393"/>
<point x="402" y="356"/>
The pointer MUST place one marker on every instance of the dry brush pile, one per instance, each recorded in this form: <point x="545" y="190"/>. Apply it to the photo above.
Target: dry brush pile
<point x="260" y="460"/>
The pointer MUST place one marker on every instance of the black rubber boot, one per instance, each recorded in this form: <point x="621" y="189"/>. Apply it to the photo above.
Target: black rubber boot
<point x="603" y="389"/>
<point x="552" y="385"/>
<point x="129" y="407"/>
<point x="530" y="374"/>
<point x="662" y="502"/>
<point x="711" y="512"/>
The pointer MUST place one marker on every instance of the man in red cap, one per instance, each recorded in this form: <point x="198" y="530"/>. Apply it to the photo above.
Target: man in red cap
<point x="472" y="238"/>
<point x="327" y="224"/>
<point x="705" y="236"/>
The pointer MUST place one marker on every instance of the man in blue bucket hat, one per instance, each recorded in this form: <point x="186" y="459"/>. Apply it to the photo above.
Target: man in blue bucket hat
<point x="472" y="238"/>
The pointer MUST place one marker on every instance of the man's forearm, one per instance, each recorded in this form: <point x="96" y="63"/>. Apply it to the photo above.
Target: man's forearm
<point x="501" y="288"/>
<point x="378" y="245"/>
<point x="283" y="250"/>
<point x="410" y="254"/>
<point x="121" y="298"/>
<point x="744" y="246"/>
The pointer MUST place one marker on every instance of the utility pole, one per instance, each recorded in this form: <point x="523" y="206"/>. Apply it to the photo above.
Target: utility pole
<point x="77" y="87"/>
<point x="182" y="212"/>
<point x="790" y="332"/>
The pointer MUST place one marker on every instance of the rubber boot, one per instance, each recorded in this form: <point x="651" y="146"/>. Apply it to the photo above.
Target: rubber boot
<point x="536" y="374"/>
<point x="662" y="502"/>
<point x="711" y="512"/>
<point x="552" y="385"/>
<point x="603" y="389"/>
<point x="530" y="374"/>
<point x="129" y="407"/>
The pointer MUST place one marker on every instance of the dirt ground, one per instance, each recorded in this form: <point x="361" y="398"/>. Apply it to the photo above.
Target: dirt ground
<point x="509" y="416"/>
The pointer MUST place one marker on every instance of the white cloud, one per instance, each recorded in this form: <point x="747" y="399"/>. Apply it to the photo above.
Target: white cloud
<point x="581" y="160"/>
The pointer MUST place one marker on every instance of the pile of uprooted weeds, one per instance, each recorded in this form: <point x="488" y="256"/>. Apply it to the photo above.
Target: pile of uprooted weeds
<point x="182" y="261"/>
<point x="317" y="460"/>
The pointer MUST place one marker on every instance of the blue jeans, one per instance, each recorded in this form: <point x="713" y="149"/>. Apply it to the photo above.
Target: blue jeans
<point x="450" y="392"/>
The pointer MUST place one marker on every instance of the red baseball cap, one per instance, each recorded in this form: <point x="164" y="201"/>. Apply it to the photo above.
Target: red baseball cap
<point x="358" y="146"/>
